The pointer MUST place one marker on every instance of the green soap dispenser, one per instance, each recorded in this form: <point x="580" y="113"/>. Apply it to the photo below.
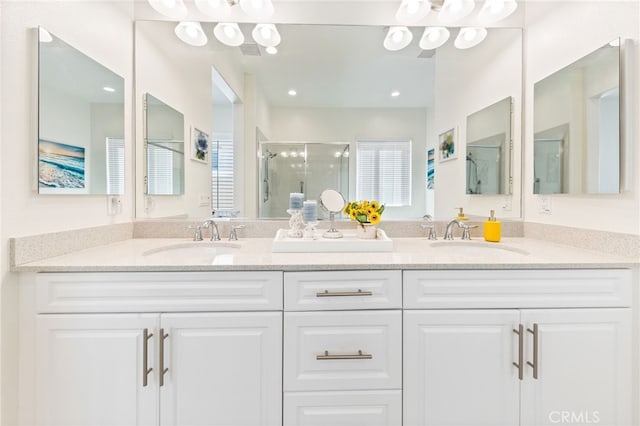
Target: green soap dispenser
<point x="492" y="229"/>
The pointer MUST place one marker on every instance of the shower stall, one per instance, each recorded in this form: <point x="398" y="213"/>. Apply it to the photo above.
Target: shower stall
<point x="305" y="167"/>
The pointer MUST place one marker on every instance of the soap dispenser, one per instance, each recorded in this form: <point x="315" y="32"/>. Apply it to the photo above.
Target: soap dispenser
<point x="461" y="215"/>
<point x="492" y="229"/>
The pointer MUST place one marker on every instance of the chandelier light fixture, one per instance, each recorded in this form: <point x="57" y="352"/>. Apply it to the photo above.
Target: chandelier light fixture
<point x="397" y="38"/>
<point x="174" y="9"/>
<point x="434" y="37"/>
<point x="469" y="37"/>
<point x="454" y="10"/>
<point x="496" y="10"/>
<point x="191" y="33"/>
<point x="226" y="32"/>
<point x="412" y="11"/>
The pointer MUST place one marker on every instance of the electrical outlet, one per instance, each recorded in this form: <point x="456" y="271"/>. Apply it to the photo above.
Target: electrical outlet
<point x="545" y="204"/>
<point x="506" y="204"/>
<point x="205" y="200"/>
<point x="114" y="205"/>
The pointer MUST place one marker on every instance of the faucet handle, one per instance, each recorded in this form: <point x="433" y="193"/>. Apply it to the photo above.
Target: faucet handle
<point x="233" y="235"/>
<point x="465" y="230"/>
<point x="431" y="235"/>
<point x="197" y="236"/>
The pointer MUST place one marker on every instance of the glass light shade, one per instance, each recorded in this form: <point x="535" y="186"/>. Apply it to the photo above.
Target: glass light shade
<point x="469" y="37"/>
<point x="219" y="9"/>
<point x="411" y="11"/>
<point x="257" y="8"/>
<point x="454" y="10"/>
<point x="397" y="38"/>
<point x="434" y="37"/>
<point x="228" y="33"/>
<point x="266" y="35"/>
<point x="191" y="33"/>
<point x="496" y="10"/>
<point x="170" y="8"/>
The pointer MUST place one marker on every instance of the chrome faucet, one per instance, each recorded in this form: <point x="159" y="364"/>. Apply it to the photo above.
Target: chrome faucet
<point x="448" y="232"/>
<point x="233" y="234"/>
<point x="215" y="233"/>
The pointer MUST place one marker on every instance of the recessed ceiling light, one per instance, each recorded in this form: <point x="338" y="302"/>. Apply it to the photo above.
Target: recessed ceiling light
<point x="271" y="50"/>
<point x="108" y="89"/>
<point x="292" y="92"/>
<point x="395" y="93"/>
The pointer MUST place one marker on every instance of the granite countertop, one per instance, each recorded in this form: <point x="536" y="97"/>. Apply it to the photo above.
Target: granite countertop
<point x="255" y="254"/>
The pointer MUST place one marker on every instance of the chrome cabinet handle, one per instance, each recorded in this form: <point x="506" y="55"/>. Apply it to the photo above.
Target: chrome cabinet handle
<point x="520" y="364"/>
<point x="327" y="357"/>
<point x="163" y="370"/>
<point x="534" y="364"/>
<point x="145" y="356"/>
<point x="327" y="293"/>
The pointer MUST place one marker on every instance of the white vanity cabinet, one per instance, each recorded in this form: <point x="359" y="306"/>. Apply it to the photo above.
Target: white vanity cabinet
<point x="342" y="348"/>
<point x="517" y="347"/>
<point x="166" y="363"/>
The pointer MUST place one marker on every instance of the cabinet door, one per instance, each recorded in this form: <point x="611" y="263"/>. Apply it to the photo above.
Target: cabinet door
<point x="458" y="367"/>
<point x="583" y="367"/>
<point x="223" y="369"/>
<point x="89" y="370"/>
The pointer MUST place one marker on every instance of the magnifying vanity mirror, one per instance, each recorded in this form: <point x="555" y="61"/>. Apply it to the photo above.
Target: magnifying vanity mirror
<point x="333" y="202"/>
<point x="577" y="126"/>
<point x="164" y="148"/>
<point x="80" y="122"/>
<point x="488" y="160"/>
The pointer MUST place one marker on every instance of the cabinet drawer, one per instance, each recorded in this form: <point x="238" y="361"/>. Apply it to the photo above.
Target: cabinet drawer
<point x="517" y="289"/>
<point x="345" y="408"/>
<point x="342" y="350"/>
<point x="312" y="291"/>
<point x="158" y="292"/>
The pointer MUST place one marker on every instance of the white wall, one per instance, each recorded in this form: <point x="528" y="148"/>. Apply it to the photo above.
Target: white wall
<point x="350" y="124"/>
<point x="466" y="82"/>
<point x="103" y="31"/>
<point x="557" y="34"/>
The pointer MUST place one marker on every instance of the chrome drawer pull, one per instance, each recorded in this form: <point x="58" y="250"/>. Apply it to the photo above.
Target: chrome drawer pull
<point x="326" y="293"/>
<point x="163" y="369"/>
<point x="535" y="362"/>
<point x="145" y="356"/>
<point x="327" y="357"/>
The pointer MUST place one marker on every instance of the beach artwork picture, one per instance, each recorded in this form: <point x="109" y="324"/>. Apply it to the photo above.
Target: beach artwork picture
<point x="60" y="166"/>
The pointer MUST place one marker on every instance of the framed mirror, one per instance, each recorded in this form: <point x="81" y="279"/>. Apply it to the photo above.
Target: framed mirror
<point x="577" y="126"/>
<point x="164" y="148"/>
<point x="80" y="122"/>
<point x="489" y="141"/>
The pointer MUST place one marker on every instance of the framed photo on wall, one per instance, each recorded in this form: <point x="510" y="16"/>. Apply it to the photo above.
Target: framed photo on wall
<point x="448" y="145"/>
<point x="199" y="145"/>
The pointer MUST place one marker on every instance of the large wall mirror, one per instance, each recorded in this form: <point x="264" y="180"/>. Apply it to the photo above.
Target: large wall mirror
<point x="349" y="91"/>
<point x="577" y="126"/>
<point x="80" y="122"/>
<point x="164" y="148"/>
<point x="488" y="160"/>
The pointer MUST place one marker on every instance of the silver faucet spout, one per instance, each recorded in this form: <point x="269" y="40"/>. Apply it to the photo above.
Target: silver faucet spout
<point x="448" y="232"/>
<point x="215" y="233"/>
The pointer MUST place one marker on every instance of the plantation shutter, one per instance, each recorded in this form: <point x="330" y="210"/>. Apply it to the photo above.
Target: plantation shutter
<point x="159" y="170"/>
<point x="222" y="174"/>
<point x="115" y="166"/>
<point x="384" y="172"/>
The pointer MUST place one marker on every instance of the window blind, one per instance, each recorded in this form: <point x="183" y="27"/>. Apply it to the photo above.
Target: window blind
<point x="384" y="172"/>
<point x="115" y="166"/>
<point x="159" y="169"/>
<point x="222" y="174"/>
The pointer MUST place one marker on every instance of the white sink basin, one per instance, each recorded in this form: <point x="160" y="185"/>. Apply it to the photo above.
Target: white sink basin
<point x="478" y="248"/>
<point x="191" y="252"/>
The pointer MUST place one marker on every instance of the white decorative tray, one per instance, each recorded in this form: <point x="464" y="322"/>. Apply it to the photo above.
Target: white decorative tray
<point x="348" y="243"/>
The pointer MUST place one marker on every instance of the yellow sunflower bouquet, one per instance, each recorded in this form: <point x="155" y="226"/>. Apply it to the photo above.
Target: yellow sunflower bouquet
<point x="364" y="211"/>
